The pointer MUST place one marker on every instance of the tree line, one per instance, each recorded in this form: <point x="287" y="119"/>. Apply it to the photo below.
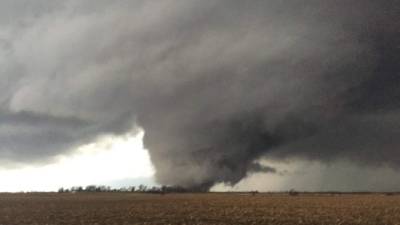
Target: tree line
<point x="139" y="189"/>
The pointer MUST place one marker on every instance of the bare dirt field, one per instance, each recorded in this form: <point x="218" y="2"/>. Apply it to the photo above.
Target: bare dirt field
<point x="192" y="209"/>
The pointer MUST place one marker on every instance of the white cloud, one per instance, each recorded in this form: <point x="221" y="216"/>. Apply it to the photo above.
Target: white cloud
<point x="109" y="158"/>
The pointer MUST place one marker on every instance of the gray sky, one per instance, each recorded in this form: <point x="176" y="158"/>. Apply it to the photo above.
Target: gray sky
<point x="215" y="85"/>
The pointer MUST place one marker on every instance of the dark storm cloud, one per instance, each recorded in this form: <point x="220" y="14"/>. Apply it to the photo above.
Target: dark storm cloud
<point x="215" y="84"/>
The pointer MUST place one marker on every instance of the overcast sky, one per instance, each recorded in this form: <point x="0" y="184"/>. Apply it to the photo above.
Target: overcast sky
<point x="227" y="93"/>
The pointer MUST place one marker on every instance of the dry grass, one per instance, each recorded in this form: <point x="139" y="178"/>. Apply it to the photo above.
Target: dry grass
<point x="118" y="208"/>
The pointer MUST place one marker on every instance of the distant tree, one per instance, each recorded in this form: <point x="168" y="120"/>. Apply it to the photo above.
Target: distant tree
<point x="91" y="188"/>
<point x="132" y="189"/>
<point x="77" y="189"/>
<point x="253" y="193"/>
<point x="154" y="190"/>
<point x="142" y="188"/>
<point x="103" y="188"/>
<point x="293" y="192"/>
<point x="61" y="190"/>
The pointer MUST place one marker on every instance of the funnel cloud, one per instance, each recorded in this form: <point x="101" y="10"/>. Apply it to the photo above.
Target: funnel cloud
<point x="215" y="85"/>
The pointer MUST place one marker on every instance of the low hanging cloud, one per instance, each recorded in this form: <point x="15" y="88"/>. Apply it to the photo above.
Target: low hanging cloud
<point x="216" y="85"/>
